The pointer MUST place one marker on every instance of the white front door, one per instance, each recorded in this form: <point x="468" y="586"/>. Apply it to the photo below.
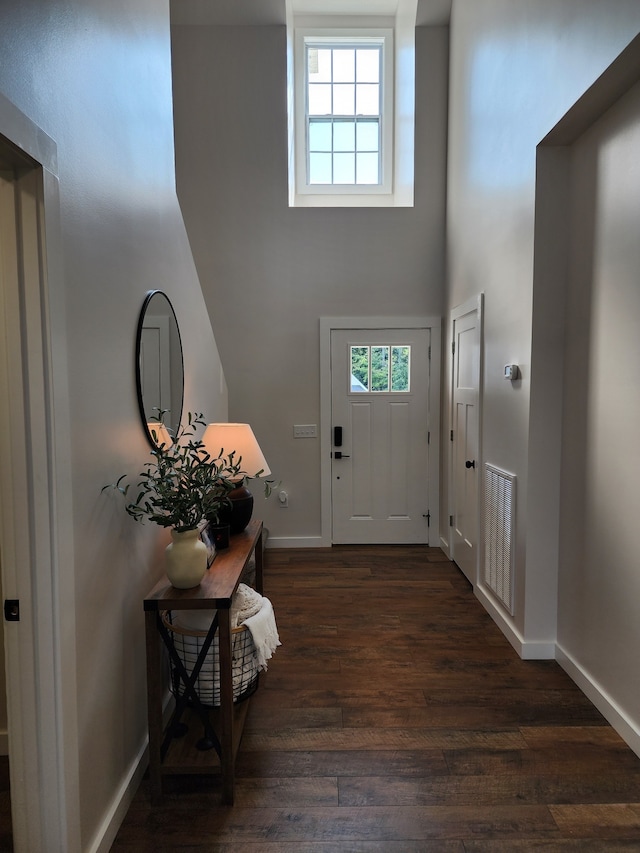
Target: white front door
<point x="380" y="451"/>
<point x="465" y="466"/>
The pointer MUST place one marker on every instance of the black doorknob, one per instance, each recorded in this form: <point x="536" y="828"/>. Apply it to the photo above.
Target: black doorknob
<point x="470" y="463"/>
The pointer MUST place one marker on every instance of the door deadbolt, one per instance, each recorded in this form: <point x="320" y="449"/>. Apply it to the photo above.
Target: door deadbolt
<point x="470" y="463"/>
<point x="12" y="610"/>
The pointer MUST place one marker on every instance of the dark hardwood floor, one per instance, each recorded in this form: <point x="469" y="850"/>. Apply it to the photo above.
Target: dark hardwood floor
<point x="395" y="718"/>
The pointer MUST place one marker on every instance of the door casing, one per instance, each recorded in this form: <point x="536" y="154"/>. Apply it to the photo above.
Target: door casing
<point x="35" y="510"/>
<point x="327" y="325"/>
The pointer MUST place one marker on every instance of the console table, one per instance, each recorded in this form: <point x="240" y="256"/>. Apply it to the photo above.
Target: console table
<point x="168" y="753"/>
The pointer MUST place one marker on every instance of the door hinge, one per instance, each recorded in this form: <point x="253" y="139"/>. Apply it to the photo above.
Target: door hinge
<point x="428" y="438"/>
<point x="429" y="353"/>
<point x="453" y="347"/>
<point x="450" y="521"/>
<point x="12" y="609"/>
<point x="451" y="436"/>
<point x="427" y="515"/>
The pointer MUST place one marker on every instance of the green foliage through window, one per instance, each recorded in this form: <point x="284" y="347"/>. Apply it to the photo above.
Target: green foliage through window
<point x="380" y="368"/>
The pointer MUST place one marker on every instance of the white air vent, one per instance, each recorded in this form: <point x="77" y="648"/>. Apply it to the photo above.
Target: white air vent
<point x="499" y="533"/>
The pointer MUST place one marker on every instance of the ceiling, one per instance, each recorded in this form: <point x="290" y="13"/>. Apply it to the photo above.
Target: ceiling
<point x="272" y="12"/>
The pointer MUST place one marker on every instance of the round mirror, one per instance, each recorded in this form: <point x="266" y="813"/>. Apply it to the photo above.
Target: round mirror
<point x="159" y="367"/>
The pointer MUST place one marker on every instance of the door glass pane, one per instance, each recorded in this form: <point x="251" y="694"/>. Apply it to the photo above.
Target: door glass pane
<point x="359" y="368"/>
<point x="379" y="368"/>
<point x="400" y="368"/>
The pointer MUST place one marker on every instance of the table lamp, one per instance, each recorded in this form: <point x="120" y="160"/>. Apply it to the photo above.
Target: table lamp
<point x="221" y="440"/>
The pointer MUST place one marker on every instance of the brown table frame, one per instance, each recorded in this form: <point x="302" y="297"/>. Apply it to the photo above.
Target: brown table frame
<point x="213" y="593"/>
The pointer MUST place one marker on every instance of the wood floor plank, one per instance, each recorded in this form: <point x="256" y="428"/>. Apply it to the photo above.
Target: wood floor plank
<point x="552" y="736"/>
<point x="408" y="846"/>
<point x="565" y="845"/>
<point x="567" y="788"/>
<point x="347" y="825"/>
<point x="610" y="820"/>
<point x="382" y="738"/>
<point x="393" y="763"/>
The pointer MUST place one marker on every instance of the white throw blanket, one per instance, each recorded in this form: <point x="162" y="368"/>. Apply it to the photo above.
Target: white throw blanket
<point x="264" y="632"/>
<point x="246" y="602"/>
<point x="248" y="608"/>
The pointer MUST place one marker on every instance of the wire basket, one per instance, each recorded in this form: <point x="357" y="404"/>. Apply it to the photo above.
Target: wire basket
<point x="244" y="662"/>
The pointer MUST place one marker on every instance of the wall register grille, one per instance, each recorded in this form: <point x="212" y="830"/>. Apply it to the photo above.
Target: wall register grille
<point x="499" y="534"/>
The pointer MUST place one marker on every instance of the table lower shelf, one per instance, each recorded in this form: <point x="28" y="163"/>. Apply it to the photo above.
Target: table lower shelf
<point x="183" y="755"/>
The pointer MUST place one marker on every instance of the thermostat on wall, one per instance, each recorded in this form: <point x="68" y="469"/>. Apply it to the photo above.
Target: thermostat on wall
<point x="511" y="371"/>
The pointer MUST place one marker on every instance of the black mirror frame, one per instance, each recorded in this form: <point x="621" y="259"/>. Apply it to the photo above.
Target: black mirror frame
<point x="145" y="305"/>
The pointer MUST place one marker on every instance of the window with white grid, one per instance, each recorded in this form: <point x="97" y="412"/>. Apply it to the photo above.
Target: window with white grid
<point x="344" y="112"/>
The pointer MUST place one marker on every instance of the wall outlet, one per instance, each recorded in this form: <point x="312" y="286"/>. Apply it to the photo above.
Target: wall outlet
<point x="305" y="431"/>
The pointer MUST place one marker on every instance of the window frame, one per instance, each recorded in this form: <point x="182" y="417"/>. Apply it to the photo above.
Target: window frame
<point x="335" y="194"/>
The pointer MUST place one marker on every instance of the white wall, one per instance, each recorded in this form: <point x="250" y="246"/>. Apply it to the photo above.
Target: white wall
<point x="599" y="591"/>
<point x="270" y="272"/>
<point x="96" y="78"/>
<point x="517" y="67"/>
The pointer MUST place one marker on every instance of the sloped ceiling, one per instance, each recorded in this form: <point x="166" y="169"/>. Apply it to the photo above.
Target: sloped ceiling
<point x="272" y="12"/>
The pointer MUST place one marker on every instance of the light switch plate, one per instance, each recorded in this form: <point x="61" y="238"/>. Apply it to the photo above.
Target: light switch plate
<point x="305" y="431"/>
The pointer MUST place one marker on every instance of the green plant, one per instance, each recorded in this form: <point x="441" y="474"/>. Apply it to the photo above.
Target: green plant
<point x="182" y="484"/>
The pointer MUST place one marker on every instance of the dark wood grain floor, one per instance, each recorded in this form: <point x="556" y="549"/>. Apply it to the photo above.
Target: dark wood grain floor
<point x="395" y="718"/>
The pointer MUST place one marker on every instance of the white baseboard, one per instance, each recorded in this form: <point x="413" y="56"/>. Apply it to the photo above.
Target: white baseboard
<point x="444" y="546"/>
<point x="526" y="649"/>
<point x="626" y="727"/>
<point x="108" y="829"/>
<point x="297" y="542"/>
<point x="105" y="835"/>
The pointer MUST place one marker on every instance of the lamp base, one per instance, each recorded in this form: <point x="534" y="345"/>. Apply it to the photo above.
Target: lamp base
<point x="238" y="515"/>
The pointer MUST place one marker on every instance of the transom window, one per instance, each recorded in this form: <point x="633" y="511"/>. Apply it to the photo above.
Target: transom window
<point x="341" y="137"/>
<point x="380" y="368"/>
<point x="344" y="113"/>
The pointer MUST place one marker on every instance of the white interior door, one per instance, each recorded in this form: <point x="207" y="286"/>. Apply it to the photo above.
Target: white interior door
<point x="380" y="454"/>
<point x="465" y="464"/>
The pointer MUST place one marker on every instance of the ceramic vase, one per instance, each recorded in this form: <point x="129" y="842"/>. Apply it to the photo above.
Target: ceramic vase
<point x="185" y="559"/>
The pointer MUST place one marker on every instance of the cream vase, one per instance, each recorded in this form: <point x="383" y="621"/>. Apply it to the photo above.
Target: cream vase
<point x="186" y="559"/>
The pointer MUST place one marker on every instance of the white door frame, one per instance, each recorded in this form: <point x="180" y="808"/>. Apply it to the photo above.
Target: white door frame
<point x="474" y="303"/>
<point x="35" y="504"/>
<point x="327" y="325"/>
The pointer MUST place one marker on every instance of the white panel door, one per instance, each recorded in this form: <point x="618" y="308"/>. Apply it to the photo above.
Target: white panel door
<point x="380" y="473"/>
<point x="465" y="462"/>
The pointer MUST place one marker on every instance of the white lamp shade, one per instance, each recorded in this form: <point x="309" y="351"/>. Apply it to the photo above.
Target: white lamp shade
<point x="238" y="438"/>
